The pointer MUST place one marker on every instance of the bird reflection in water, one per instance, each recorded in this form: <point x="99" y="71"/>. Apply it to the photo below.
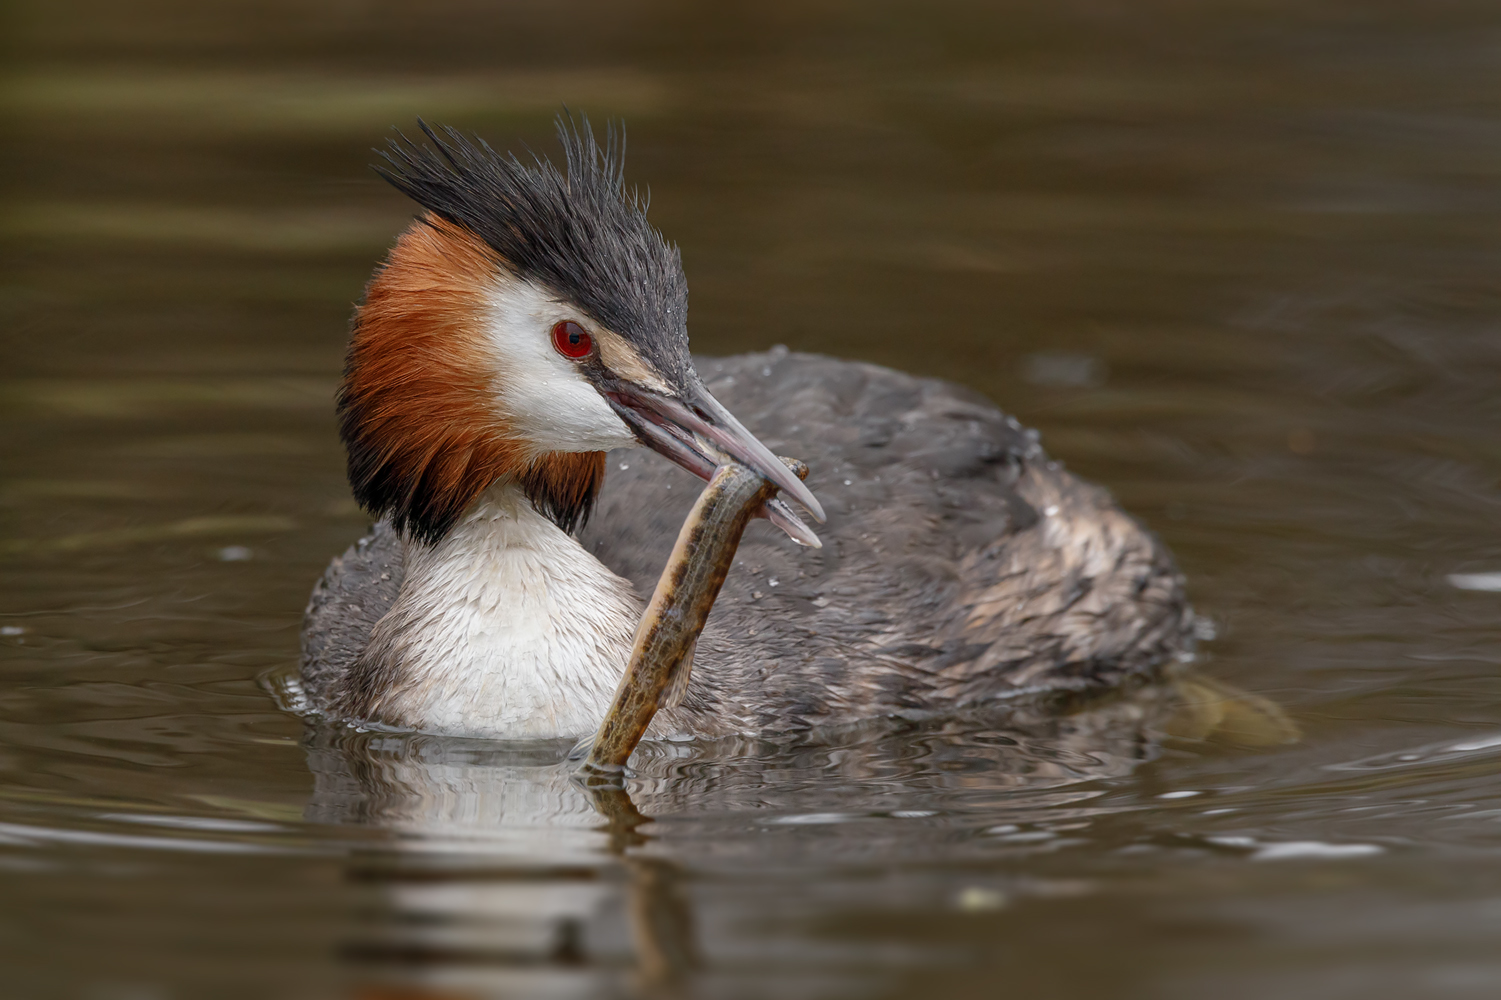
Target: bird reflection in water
<point x="502" y="871"/>
<point x="491" y="870"/>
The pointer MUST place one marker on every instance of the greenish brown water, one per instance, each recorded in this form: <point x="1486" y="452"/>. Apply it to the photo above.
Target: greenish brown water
<point x="1237" y="261"/>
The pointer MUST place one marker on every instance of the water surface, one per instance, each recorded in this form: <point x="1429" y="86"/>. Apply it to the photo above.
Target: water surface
<point x="1235" y="261"/>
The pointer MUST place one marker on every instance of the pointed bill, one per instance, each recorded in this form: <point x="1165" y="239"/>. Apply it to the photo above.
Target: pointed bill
<point x="699" y="434"/>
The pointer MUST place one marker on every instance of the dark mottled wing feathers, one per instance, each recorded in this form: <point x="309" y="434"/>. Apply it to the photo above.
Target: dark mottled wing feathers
<point x="959" y="563"/>
<point x="354" y="592"/>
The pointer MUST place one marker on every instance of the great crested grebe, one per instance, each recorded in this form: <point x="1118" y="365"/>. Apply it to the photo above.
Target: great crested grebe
<point x="524" y="335"/>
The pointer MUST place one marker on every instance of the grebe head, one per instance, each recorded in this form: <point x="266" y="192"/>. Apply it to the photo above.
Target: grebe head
<point x="530" y="320"/>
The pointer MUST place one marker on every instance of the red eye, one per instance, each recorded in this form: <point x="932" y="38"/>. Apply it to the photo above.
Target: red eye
<point x="571" y="340"/>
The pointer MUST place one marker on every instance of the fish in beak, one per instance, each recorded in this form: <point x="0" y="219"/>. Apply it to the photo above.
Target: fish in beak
<point x="696" y="432"/>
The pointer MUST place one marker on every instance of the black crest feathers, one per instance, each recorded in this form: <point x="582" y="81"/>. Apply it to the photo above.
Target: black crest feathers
<point x="580" y="233"/>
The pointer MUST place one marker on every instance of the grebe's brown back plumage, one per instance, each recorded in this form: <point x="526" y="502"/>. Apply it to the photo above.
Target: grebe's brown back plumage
<point x="959" y="565"/>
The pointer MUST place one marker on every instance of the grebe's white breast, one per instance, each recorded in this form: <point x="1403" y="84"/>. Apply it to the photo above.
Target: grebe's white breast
<point x="505" y="629"/>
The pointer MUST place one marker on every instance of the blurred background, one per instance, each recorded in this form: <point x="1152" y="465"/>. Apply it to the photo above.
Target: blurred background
<point x="1237" y="262"/>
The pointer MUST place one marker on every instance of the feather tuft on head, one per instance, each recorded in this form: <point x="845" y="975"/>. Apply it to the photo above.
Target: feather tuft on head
<point x="581" y="234"/>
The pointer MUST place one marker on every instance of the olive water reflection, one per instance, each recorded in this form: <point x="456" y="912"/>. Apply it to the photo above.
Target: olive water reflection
<point x="1236" y="261"/>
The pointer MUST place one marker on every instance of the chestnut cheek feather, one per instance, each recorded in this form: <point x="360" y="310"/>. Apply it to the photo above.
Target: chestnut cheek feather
<point x="415" y="408"/>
